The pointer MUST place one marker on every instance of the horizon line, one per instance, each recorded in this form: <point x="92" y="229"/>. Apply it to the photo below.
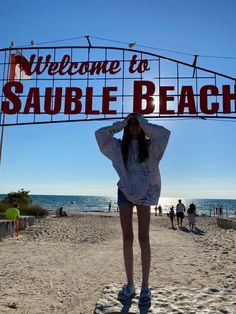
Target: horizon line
<point x="206" y="198"/>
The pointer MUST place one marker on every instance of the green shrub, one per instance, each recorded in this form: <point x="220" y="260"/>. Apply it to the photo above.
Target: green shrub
<point x="21" y="198"/>
<point x="24" y="203"/>
<point x="34" y="210"/>
<point x="3" y="206"/>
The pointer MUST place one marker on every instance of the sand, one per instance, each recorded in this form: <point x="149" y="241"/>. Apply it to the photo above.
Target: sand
<point x="62" y="265"/>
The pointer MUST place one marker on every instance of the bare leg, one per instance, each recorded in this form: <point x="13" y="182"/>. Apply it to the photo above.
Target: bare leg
<point x="143" y="235"/>
<point x="126" y="213"/>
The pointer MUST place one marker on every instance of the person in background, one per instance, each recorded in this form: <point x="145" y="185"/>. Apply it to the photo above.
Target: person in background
<point x="191" y="215"/>
<point x="64" y="214"/>
<point x="155" y="210"/>
<point x="12" y="213"/>
<point x="172" y="215"/>
<point x="221" y="211"/>
<point x="180" y="209"/>
<point x="60" y="212"/>
<point x="109" y="207"/>
<point x="160" y="210"/>
<point x="57" y="212"/>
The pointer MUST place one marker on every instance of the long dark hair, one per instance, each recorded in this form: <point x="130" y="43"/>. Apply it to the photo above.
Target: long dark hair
<point x="142" y="145"/>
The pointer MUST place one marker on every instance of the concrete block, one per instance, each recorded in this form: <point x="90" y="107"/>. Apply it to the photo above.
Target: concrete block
<point x="224" y="223"/>
<point x="233" y="224"/>
<point x="8" y="227"/>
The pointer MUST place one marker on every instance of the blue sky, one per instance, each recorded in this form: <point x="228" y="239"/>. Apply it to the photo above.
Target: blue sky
<point x="64" y="159"/>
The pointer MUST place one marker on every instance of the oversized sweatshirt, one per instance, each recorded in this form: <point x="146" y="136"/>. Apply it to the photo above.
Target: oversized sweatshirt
<point x="139" y="182"/>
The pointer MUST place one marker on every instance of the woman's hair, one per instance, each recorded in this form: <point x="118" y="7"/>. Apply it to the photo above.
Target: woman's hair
<point x="142" y="144"/>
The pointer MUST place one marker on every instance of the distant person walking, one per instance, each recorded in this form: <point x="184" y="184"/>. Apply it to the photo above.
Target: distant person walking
<point x="109" y="207"/>
<point x="160" y="210"/>
<point x="172" y="215"/>
<point x="13" y="213"/>
<point x="180" y="209"/>
<point x="221" y="211"/>
<point x="191" y="215"/>
<point x="156" y="210"/>
<point x="135" y="158"/>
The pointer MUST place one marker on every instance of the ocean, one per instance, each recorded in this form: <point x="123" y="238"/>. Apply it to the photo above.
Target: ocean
<point x="101" y="203"/>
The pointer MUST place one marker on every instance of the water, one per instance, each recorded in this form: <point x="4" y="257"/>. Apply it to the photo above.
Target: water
<point x="100" y="203"/>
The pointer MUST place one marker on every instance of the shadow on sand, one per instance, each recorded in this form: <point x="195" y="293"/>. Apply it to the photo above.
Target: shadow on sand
<point x="127" y="304"/>
<point x="184" y="229"/>
<point x="196" y="230"/>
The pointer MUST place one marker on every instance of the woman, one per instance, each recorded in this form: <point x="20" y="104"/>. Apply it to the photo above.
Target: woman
<point x="172" y="215"/>
<point x="191" y="215"/>
<point x="135" y="159"/>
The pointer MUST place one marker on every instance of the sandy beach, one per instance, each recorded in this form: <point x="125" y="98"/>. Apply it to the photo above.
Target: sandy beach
<point x="61" y="265"/>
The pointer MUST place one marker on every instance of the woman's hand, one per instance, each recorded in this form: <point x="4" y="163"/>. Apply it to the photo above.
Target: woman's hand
<point x="137" y="114"/>
<point x="132" y="115"/>
<point x="128" y="117"/>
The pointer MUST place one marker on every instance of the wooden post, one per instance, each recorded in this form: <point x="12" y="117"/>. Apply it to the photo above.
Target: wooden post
<point x="17" y="226"/>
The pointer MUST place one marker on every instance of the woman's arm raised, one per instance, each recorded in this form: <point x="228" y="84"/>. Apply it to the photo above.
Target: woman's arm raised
<point x="158" y="135"/>
<point x="105" y="139"/>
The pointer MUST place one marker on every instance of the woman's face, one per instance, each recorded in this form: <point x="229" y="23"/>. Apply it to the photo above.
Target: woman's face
<point x="134" y="127"/>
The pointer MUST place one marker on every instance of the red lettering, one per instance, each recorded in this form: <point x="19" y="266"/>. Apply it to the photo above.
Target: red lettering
<point x="66" y="66"/>
<point x="115" y="67"/>
<point x="227" y="97"/>
<point x="49" y="108"/>
<point x="14" y="99"/>
<point x="132" y="64"/>
<point x="84" y="68"/>
<point x="164" y="98"/>
<point x="143" y="66"/>
<point x="204" y="101"/>
<point x="38" y="64"/>
<point x="53" y="68"/>
<point x="187" y="92"/>
<point x="73" y="65"/>
<point x="139" y="96"/>
<point x="98" y="67"/>
<point x="89" y="102"/>
<point x="32" y="101"/>
<point x="107" y="98"/>
<point x="64" y="62"/>
<point x="69" y="99"/>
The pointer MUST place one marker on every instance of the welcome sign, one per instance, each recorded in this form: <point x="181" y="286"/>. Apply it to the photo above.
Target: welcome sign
<point x="63" y="84"/>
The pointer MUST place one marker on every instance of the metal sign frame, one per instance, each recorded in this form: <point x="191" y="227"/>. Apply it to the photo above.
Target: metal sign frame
<point x="163" y="71"/>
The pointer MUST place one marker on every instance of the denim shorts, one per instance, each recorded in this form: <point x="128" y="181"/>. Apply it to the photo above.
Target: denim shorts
<point x="122" y="200"/>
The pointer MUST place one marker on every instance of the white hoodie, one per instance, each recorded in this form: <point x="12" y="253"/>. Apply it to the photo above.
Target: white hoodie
<point x="139" y="182"/>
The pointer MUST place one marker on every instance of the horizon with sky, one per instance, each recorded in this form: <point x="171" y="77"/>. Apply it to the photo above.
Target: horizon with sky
<point x="64" y="159"/>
